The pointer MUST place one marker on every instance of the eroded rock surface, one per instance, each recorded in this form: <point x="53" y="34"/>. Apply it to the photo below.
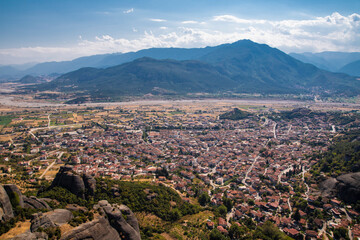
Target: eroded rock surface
<point x="54" y="218"/>
<point x="68" y="179"/>
<point x="13" y="191"/>
<point x="74" y="182"/>
<point x="346" y="187"/>
<point x="36" y="203"/>
<point x="98" y="229"/>
<point x="31" y="236"/>
<point x="6" y="211"/>
<point x="127" y="229"/>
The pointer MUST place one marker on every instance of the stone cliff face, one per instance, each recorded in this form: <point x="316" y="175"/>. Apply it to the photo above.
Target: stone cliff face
<point x="127" y="229"/>
<point x="75" y="183"/>
<point x="14" y="192"/>
<point x="11" y="191"/>
<point x="6" y="211"/>
<point x="346" y="187"/>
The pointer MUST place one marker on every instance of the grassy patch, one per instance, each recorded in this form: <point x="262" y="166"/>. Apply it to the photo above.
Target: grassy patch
<point x="5" y="120"/>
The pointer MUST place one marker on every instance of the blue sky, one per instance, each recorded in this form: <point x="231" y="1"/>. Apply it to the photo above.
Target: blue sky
<point x="55" y="30"/>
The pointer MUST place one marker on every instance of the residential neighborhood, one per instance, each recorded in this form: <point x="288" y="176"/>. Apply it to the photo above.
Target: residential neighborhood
<point x="259" y="167"/>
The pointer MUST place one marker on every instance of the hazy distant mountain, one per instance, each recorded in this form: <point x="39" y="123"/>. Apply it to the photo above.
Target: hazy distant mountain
<point x="108" y="60"/>
<point x="331" y="61"/>
<point x="31" y="79"/>
<point x="8" y="71"/>
<point x="65" y="66"/>
<point x="243" y="66"/>
<point x="352" y="68"/>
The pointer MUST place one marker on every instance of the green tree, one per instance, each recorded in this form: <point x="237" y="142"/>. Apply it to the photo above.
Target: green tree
<point x="175" y="214"/>
<point x="222" y="210"/>
<point x="228" y="203"/>
<point x="204" y="199"/>
<point x="236" y="232"/>
<point x="216" y="235"/>
<point x="296" y="215"/>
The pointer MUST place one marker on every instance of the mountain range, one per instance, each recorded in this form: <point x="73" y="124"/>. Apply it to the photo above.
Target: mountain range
<point x="330" y="61"/>
<point x="344" y="62"/>
<point x="240" y="67"/>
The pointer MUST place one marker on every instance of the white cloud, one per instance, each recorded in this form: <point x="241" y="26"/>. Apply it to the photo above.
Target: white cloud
<point x="157" y="20"/>
<point x="129" y="11"/>
<point x="329" y="33"/>
<point x="189" y="22"/>
<point x="233" y="19"/>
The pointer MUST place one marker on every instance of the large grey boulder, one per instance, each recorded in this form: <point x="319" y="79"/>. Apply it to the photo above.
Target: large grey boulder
<point x="346" y="187"/>
<point x="54" y="218"/>
<point x="6" y="211"/>
<point x="36" y="203"/>
<point x="60" y="216"/>
<point x="40" y="220"/>
<point x="98" y="229"/>
<point x="14" y="192"/>
<point x="75" y="183"/>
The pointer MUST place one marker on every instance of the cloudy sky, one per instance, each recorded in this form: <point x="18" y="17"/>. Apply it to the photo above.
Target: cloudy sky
<point x="56" y="30"/>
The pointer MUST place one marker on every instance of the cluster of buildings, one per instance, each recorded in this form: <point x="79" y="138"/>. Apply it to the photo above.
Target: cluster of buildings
<point x="261" y="165"/>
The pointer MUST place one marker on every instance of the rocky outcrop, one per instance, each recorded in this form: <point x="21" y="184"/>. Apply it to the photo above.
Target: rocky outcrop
<point x="35" y="203"/>
<point x="14" y="192"/>
<point x="6" y="211"/>
<point x="349" y="187"/>
<point x="31" y="236"/>
<point x="116" y="222"/>
<point x="98" y="229"/>
<point x="40" y="220"/>
<point x="346" y="187"/>
<point x="127" y="228"/>
<point x="75" y="183"/>
<point x="68" y="179"/>
<point x="54" y="218"/>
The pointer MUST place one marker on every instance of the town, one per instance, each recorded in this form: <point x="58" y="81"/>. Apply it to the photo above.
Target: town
<point x="258" y="167"/>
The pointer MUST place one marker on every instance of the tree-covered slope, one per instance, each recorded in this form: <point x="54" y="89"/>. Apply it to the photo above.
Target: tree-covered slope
<point x="260" y="68"/>
<point x="144" y="76"/>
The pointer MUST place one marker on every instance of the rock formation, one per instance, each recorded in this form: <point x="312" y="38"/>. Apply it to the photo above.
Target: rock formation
<point x="10" y="194"/>
<point x="112" y="225"/>
<point x="31" y="236"/>
<point x="78" y="185"/>
<point x="36" y="203"/>
<point x="127" y="229"/>
<point x="14" y="192"/>
<point x="346" y="187"/>
<point x="90" y="184"/>
<point x="97" y="229"/>
<point x="349" y="187"/>
<point x="6" y="211"/>
<point x="54" y="218"/>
